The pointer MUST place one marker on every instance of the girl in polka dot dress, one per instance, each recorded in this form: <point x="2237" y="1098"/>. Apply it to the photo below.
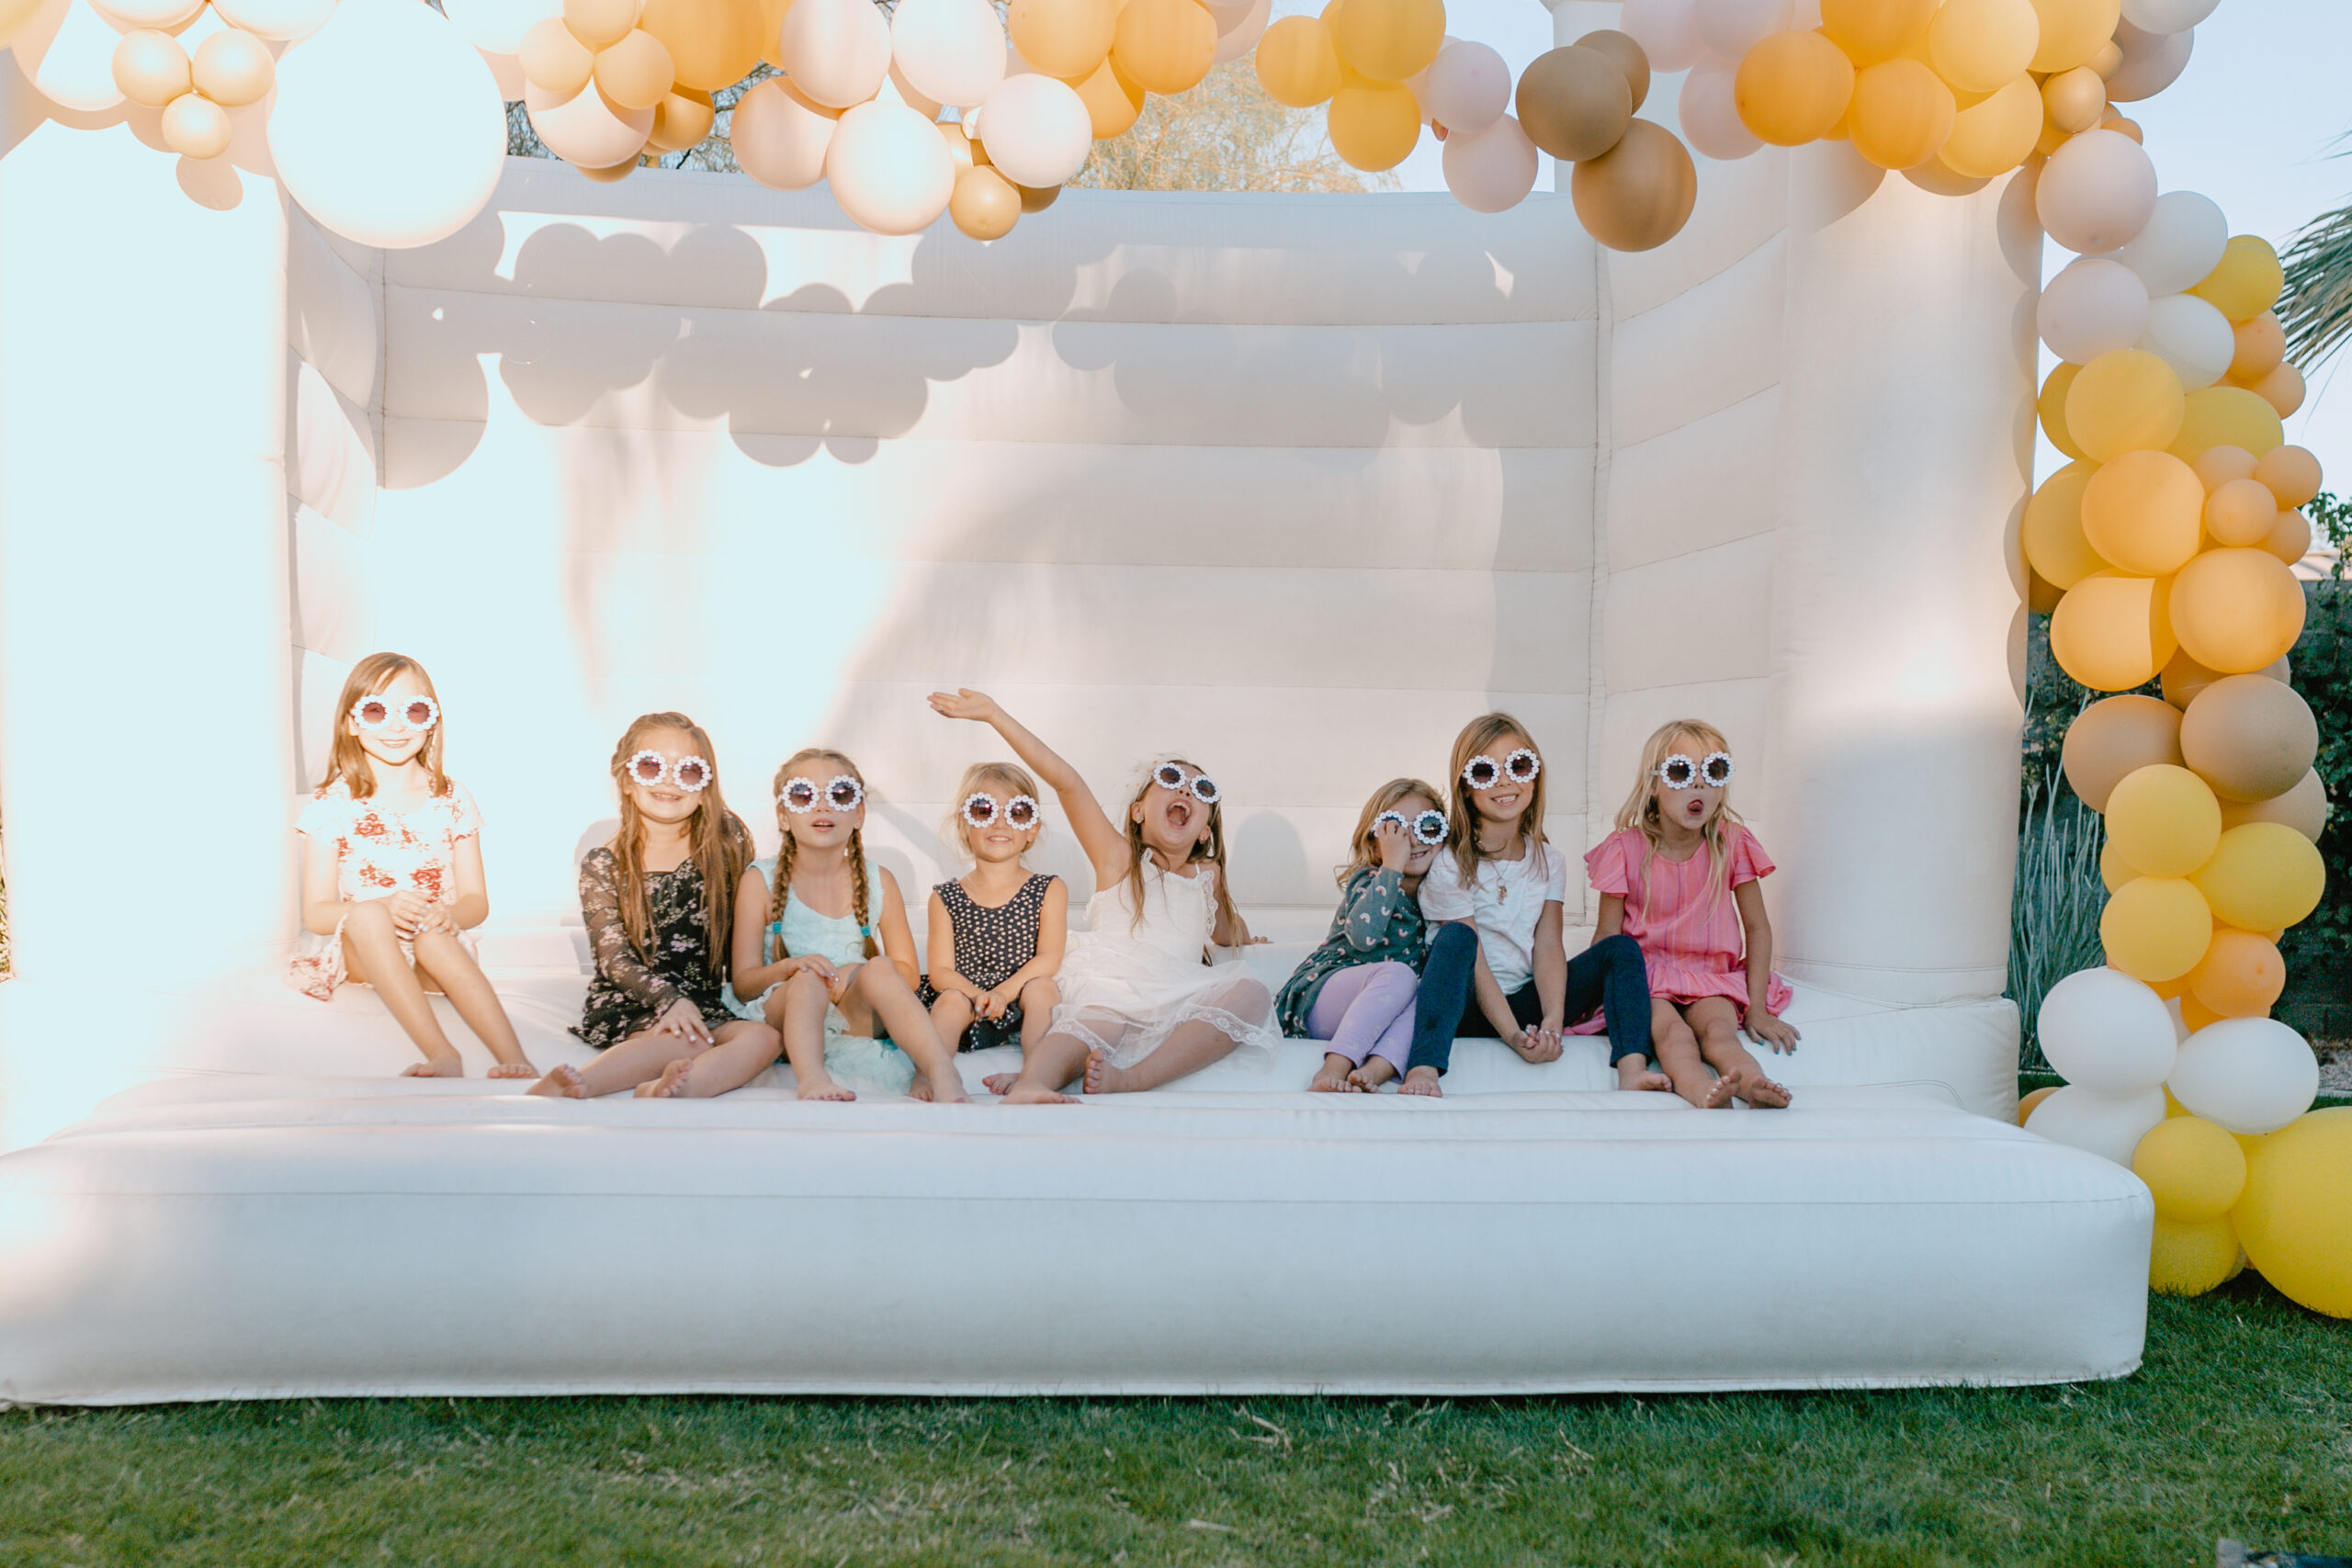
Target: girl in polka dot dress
<point x="996" y="932"/>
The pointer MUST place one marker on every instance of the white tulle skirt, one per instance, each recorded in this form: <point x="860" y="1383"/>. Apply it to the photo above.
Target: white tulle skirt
<point x="1124" y="998"/>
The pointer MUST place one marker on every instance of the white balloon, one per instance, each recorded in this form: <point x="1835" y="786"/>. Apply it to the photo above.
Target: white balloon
<point x="779" y="137"/>
<point x="587" y="129"/>
<point x="889" y="167"/>
<point x="2250" y="1075"/>
<point x="1710" y="117"/>
<point x="2181" y="244"/>
<point x="66" y="51"/>
<point x="1490" y="170"/>
<point x="2168" y="16"/>
<point x="2105" y="1031"/>
<point x="1038" y="131"/>
<point x="161" y="15"/>
<point x="1466" y="87"/>
<point x="2152" y="62"/>
<point x="1238" y="36"/>
<point x="838" y="51"/>
<point x="279" y="19"/>
<point x="388" y="127"/>
<point x="2094" y="306"/>
<point x="2109" y="1125"/>
<point x="1666" y="31"/>
<point x="897" y="86"/>
<point x="2096" y="192"/>
<point x="951" y="51"/>
<point x="496" y="27"/>
<point x="2191" y="336"/>
<point x="1732" y="28"/>
<point x="507" y="71"/>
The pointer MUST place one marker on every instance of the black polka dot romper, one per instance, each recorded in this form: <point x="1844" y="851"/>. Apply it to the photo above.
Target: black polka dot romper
<point x="991" y="946"/>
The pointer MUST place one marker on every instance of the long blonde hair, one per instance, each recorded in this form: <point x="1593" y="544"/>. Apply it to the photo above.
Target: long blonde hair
<point x="1478" y="739"/>
<point x="347" y="758"/>
<point x="1640" y="811"/>
<point x="1363" y="852"/>
<point x="788" y="850"/>
<point x="978" y="778"/>
<point x="718" y="843"/>
<point x="1213" y="852"/>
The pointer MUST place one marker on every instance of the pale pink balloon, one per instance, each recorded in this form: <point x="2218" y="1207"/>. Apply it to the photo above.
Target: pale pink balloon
<point x="779" y="137"/>
<point x="1710" y="117"/>
<point x="587" y="129"/>
<point x="1466" y="87"/>
<point x="2096" y="192"/>
<point x="1491" y="169"/>
<point x="837" y="52"/>
<point x="889" y="167"/>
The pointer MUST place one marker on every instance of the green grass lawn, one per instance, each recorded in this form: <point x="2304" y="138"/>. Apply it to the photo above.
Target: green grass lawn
<point x="2240" y="1424"/>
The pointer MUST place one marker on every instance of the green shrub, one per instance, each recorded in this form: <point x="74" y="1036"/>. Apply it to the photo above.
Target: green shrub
<point x="2053" y="916"/>
<point x="2316" y="950"/>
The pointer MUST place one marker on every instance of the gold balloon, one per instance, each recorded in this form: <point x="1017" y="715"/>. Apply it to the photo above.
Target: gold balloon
<point x="2112" y="632"/>
<point x="1638" y="195"/>
<point x="1573" y="103"/>
<point x="2156" y="928"/>
<point x="233" y="68"/>
<point x="681" y="120"/>
<point x="2247" y="281"/>
<point x="1165" y="46"/>
<point x="2262" y="347"/>
<point x="2073" y="32"/>
<point x="2292" y="474"/>
<point x="2249" y="737"/>
<point x="1628" y="57"/>
<point x="2052" y="533"/>
<point x="1111" y="100"/>
<point x="1387" y="40"/>
<point x="2295" y="1217"/>
<point x="2236" y="610"/>
<point x="2115" y="737"/>
<point x="2144" y="512"/>
<point x="2263" y="877"/>
<point x="2190" y="1258"/>
<point x="2226" y="416"/>
<point x="2289" y="538"/>
<point x="712" y="43"/>
<point x="636" y="72"/>
<point x="554" y="60"/>
<point x="2052" y="407"/>
<point x="2282" y="389"/>
<point x="600" y="24"/>
<point x="1995" y="135"/>
<point x="2193" y="1167"/>
<point x="986" y="204"/>
<point x="1902" y="113"/>
<point x="195" y="127"/>
<point x="2075" y="99"/>
<point x="1981" y="46"/>
<point x="1298" y="63"/>
<point x="2217" y="466"/>
<point x="2241" y="512"/>
<point x="149" y="67"/>
<point x="2025" y="1103"/>
<point x="2163" y="820"/>
<point x="1065" y="38"/>
<point x="1037" y="198"/>
<point x="2127" y="400"/>
<point x="1792" y="88"/>
<point x="1871" y="30"/>
<point x="1373" y="125"/>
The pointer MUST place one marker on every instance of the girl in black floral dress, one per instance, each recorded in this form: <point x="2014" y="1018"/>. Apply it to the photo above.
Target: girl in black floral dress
<point x="659" y="902"/>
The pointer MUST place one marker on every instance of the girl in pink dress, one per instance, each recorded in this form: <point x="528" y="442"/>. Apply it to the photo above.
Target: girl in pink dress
<point x="1683" y="877"/>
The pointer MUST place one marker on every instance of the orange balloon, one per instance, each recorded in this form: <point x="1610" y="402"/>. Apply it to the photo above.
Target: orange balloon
<point x="2074" y="100"/>
<point x="1166" y="46"/>
<point x="2052" y="533"/>
<point x="1373" y="125"/>
<point x="2292" y="474"/>
<point x="1387" y="40"/>
<point x="1995" y="135"/>
<point x="1111" y="100"/>
<point x="713" y="43"/>
<point x="2111" y="632"/>
<point x="1066" y="38"/>
<point x="2289" y="538"/>
<point x="985" y="205"/>
<point x="1639" y="194"/>
<point x="2195" y="1013"/>
<point x="2073" y="31"/>
<point x="2236" y="610"/>
<point x="636" y="72"/>
<point x="1298" y="62"/>
<point x="2052" y="407"/>
<point x="2262" y="346"/>
<point x="552" y="59"/>
<point x="2282" y="389"/>
<point x="600" y="24"/>
<point x="2142" y="513"/>
<point x="682" y="118"/>
<point x="2241" y="512"/>
<point x="2217" y="466"/>
<point x="1873" y="31"/>
<point x="1902" y="113"/>
<point x="1792" y="88"/>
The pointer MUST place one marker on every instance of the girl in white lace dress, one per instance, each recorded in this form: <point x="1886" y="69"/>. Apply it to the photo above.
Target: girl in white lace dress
<point x="391" y="872"/>
<point x="1140" y="1004"/>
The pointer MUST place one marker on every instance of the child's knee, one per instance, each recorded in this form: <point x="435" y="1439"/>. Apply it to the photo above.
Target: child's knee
<point x="1040" y="996"/>
<point x="804" y="985"/>
<point x="1676" y="1036"/>
<point x="369" y="918"/>
<point x="1457" y="936"/>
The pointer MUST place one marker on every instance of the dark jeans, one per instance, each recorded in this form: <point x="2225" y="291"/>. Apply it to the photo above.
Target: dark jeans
<point x="1608" y="974"/>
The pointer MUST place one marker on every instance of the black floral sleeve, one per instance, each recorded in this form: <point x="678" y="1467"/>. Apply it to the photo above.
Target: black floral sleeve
<point x="617" y="961"/>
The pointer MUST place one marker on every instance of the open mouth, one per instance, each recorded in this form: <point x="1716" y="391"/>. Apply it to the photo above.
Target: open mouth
<point x="1180" y="814"/>
<point x="1695" y="810"/>
<point x="821" y="824"/>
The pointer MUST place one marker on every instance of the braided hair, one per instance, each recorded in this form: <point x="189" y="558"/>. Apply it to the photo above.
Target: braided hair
<point x="794" y="766"/>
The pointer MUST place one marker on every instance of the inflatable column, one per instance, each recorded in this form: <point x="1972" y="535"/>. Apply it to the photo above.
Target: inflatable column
<point x="145" y="718"/>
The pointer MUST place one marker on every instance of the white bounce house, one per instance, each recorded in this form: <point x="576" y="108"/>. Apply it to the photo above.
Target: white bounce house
<point x="1295" y="485"/>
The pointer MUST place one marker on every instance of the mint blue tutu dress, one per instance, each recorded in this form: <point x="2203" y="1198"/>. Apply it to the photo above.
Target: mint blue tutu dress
<point x="861" y="1062"/>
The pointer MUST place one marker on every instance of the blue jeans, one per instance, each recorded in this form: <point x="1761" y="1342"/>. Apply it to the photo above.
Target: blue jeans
<point x="1608" y="974"/>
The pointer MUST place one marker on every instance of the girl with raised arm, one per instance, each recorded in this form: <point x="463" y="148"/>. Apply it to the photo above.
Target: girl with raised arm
<point x="1141" y="1006"/>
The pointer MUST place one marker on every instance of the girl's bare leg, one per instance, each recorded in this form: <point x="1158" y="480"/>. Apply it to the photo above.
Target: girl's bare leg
<point x="797" y="1013"/>
<point x="1192" y="1047"/>
<point x="1046" y="1070"/>
<point x="1038" y="1001"/>
<point x="879" y="992"/>
<point x="635" y="1060"/>
<point x="739" y="1052"/>
<point x="371" y="953"/>
<point x="951" y="1015"/>
<point x="443" y="960"/>
<point x="1715" y="1019"/>
<point x="1677" y="1052"/>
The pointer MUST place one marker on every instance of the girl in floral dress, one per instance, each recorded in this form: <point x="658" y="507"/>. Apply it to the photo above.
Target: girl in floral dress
<point x="658" y="903"/>
<point x="391" y="872"/>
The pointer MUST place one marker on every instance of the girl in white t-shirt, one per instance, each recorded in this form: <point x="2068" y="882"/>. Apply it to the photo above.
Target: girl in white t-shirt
<point x="1497" y="966"/>
<point x="391" y="871"/>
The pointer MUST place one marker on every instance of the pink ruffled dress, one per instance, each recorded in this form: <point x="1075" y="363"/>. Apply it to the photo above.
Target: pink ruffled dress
<point x="1685" y="919"/>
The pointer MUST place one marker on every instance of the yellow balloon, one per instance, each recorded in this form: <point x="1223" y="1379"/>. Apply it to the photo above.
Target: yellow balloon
<point x="2114" y="871"/>
<point x="713" y="43"/>
<point x="2164" y="821"/>
<point x="2248" y="280"/>
<point x="2235" y="611"/>
<point x="1111" y="100"/>
<point x="2125" y="400"/>
<point x="1298" y="62"/>
<point x="1062" y="38"/>
<point x="1164" y="46"/>
<point x="2052" y="404"/>
<point x="2112" y="632"/>
<point x="2052" y="533"/>
<point x="2262" y="876"/>
<point x="1871" y="30"/>
<point x="2144" y="512"/>
<point x="2025" y="1103"/>
<point x="1793" y="88"/>
<point x="1982" y="46"/>
<point x="1387" y="40"/>
<point x="2156" y="928"/>
<point x="2190" y="1258"/>
<point x="2227" y="416"/>
<point x="2295" y="1218"/>
<point x="1373" y="124"/>
<point x="2073" y="31"/>
<point x="1901" y="115"/>
<point x="1995" y="135"/>
<point x="636" y="72"/>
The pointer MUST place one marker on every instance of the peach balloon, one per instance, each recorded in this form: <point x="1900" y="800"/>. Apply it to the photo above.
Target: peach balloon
<point x="2262" y="347"/>
<point x="600" y="24"/>
<point x="887" y="166"/>
<point x="1298" y="62"/>
<point x="2217" y="466"/>
<point x="195" y="127"/>
<point x="2290" y="473"/>
<point x="233" y="68"/>
<point x="1167" y="46"/>
<point x="2052" y="407"/>
<point x="1995" y="135"/>
<point x="2236" y="610"/>
<point x="779" y="137"/>
<point x="1112" y="101"/>
<point x="1901" y="115"/>
<point x="2111" y="632"/>
<point x="1792" y="88"/>
<point x="2282" y="389"/>
<point x="554" y="60"/>
<point x="1066" y="38"/>
<point x="587" y="129"/>
<point x="2289" y="538"/>
<point x="1638" y="195"/>
<point x="986" y="204"/>
<point x="2073" y="31"/>
<point x="149" y="67"/>
<point x="2052" y="533"/>
<point x="1979" y="46"/>
<point x="2241" y="512"/>
<point x="2074" y="100"/>
<point x="712" y="43"/>
<point x="636" y="72"/>
<point x="2143" y="512"/>
<point x="2115" y="737"/>
<point x="838" y="53"/>
<point x="681" y="120"/>
<point x="2123" y="401"/>
<point x="2303" y="809"/>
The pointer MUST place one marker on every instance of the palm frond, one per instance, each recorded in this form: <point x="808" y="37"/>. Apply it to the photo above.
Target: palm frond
<point x="2316" y="310"/>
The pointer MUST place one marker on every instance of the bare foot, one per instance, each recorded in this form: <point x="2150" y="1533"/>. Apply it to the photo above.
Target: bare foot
<point x="1000" y="1083"/>
<point x="822" y="1088"/>
<point x="1760" y="1092"/>
<point x="514" y="1070"/>
<point x="562" y="1081"/>
<point x="443" y="1066"/>
<point x="1641" y="1076"/>
<point x="1720" y="1097"/>
<point x="1421" y="1080"/>
<point x="946" y="1090"/>
<point x="1018" y="1093"/>
<point x="1367" y="1079"/>
<point x="670" y="1084"/>
<point x="1101" y="1077"/>
<point x="1333" y="1078"/>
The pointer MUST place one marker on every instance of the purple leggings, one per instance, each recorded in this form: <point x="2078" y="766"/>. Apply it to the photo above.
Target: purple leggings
<point x="1367" y="1010"/>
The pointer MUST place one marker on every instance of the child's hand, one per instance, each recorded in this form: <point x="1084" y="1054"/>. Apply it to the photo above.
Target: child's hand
<point x="1396" y="847"/>
<point x="682" y="1018"/>
<point x="838" y="981"/>
<point x="963" y="703"/>
<point x="991" y="1004"/>
<point x="1537" y="1044"/>
<point x="408" y="906"/>
<point x="816" y="962"/>
<point x="436" y="918"/>
<point x="1764" y="1026"/>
